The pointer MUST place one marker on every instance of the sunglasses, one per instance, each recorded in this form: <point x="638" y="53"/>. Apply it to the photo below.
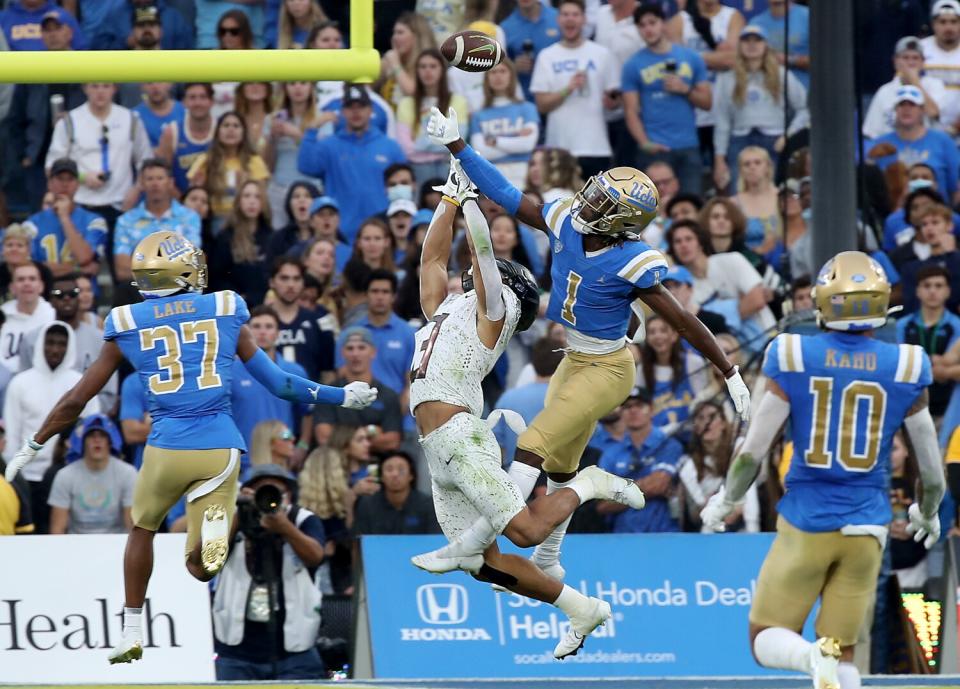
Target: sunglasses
<point x="65" y="293"/>
<point x="228" y="31"/>
<point x="285" y="435"/>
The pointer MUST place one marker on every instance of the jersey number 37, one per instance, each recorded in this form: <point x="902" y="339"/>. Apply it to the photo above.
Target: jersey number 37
<point x="170" y="377"/>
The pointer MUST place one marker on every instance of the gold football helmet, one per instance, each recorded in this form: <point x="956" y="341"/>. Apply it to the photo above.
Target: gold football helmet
<point x="619" y="202"/>
<point x="165" y="263"/>
<point x="852" y="293"/>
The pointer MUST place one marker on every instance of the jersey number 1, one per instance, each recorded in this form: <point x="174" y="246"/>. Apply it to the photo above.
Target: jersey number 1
<point x="573" y="285"/>
<point x="170" y="362"/>
<point x="854" y="396"/>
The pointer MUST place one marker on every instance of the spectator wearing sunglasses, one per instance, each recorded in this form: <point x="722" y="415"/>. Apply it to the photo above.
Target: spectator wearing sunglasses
<point x="219" y="21"/>
<point x="88" y="339"/>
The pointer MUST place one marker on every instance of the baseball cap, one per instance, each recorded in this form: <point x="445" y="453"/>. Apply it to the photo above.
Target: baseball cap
<point x="146" y="15"/>
<point x="51" y="16"/>
<point x="354" y="332"/>
<point x="908" y="43"/>
<point x="753" y="30"/>
<point x="639" y="393"/>
<point x="402" y="206"/>
<point x="355" y="93"/>
<point x="322" y="202"/>
<point x="910" y="94"/>
<point x="945" y="7"/>
<point x="270" y="471"/>
<point x="678" y="274"/>
<point x="424" y="216"/>
<point x="64" y="165"/>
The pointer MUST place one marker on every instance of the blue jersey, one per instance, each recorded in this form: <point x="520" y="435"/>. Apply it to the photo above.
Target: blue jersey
<point x="848" y="396"/>
<point x="506" y="120"/>
<point x="184" y="348"/>
<point x="934" y="149"/>
<point x="155" y="123"/>
<point x="592" y="293"/>
<point x="50" y="243"/>
<point x="186" y="151"/>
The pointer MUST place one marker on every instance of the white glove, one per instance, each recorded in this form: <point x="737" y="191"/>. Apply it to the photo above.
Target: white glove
<point x="358" y="395"/>
<point x="739" y="394"/>
<point x="926" y="530"/>
<point x="458" y="186"/>
<point x="26" y="453"/>
<point x="716" y="510"/>
<point x="443" y="130"/>
<point x="640" y="334"/>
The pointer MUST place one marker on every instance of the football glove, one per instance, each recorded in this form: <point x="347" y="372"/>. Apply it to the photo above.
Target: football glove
<point x="925" y="530"/>
<point x="23" y="457"/>
<point x="443" y="130"/>
<point x="358" y="395"/>
<point x="739" y="394"/>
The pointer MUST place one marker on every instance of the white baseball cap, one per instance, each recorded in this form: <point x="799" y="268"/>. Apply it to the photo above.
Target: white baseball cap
<point x="945" y="6"/>
<point x="402" y="206"/>
<point x="910" y="94"/>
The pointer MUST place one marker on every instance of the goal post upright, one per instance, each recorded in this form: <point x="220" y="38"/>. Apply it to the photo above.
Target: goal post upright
<point x="360" y="62"/>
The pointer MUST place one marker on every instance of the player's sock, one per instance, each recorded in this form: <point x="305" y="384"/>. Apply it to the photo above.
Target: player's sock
<point x="548" y="552"/>
<point x="849" y="676"/>
<point x="474" y="539"/>
<point x="571" y="601"/>
<point x="132" y="618"/>
<point x="524" y="476"/>
<point x="780" y="648"/>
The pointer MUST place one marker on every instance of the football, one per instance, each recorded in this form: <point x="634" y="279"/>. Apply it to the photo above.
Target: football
<point x="472" y="51"/>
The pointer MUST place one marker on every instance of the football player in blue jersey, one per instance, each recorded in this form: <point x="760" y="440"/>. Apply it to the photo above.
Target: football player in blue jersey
<point x="845" y="394"/>
<point x="600" y="269"/>
<point x="183" y="344"/>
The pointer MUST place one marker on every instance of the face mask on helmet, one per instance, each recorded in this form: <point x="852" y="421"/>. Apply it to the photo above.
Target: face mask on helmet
<point x="600" y="208"/>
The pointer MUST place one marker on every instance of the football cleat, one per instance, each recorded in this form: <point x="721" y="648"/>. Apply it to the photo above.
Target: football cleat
<point x="129" y="650"/>
<point x="213" y="539"/>
<point x="615" y="488"/>
<point x="581" y="626"/>
<point x="435" y="563"/>
<point x="824" y="660"/>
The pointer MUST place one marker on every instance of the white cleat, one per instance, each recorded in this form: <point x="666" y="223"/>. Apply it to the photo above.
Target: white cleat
<point x="214" y="530"/>
<point x="610" y="487"/>
<point x="127" y="651"/>
<point x="581" y="625"/>
<point x="824" y="660"/>
<point x="437" y="563"/>
<point x="553" y="570"/>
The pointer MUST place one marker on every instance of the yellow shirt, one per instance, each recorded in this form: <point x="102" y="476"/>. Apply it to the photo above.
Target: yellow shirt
<point x="222" y="204"/>
<point x="13" y="519"/>
<point x="953" y="447"/>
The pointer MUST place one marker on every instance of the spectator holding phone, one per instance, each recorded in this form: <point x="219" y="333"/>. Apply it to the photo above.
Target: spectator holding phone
<point x="530" y="28"/>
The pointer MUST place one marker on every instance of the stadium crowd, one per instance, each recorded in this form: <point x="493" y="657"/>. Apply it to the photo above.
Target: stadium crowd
<point x="311" y="200"/>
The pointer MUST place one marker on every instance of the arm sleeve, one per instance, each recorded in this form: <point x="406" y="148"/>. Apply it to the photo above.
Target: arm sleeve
<point x="771" y="415"/>
<point x="923" y="439"/>
<point x="490" y="180"/>
<point x="288" y="386"/>
<point x="487" y="262"/>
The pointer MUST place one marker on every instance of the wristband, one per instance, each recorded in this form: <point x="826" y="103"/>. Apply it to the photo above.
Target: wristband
<point x="450" y="200"/>
<point x="727" y="374"/>
<point x="34" y="445"/>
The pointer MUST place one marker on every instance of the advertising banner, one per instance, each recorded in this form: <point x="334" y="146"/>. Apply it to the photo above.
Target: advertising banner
<point x="680" y="607"/>
<point x="61" y="603"/>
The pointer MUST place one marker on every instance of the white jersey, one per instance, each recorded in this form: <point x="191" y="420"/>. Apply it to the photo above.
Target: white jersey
<point x="945" y="66"/>
<point x="719" y="25"/>
<point x="450" y="360"/>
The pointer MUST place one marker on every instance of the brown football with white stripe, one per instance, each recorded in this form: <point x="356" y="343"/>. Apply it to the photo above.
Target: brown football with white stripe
<point x="472" y="51"/>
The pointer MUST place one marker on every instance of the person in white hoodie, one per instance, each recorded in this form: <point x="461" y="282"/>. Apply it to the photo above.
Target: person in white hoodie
<point x="27" y="311"/>
<point x="32" y="394"/>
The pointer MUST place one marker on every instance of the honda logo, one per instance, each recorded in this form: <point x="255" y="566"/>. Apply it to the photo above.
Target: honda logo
<point x="442" y="603"/>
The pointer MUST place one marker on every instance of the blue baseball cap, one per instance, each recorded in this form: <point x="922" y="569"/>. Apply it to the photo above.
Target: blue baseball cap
<point x="324" y="202"/>
<point x="94" y="422"/>
<point x="679" y="274"/>
<point x="424" y="216"/>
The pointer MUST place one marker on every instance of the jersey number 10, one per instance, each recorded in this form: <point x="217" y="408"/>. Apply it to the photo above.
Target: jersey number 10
<point x="855" y="396"/>
<point x="170" y="377"/>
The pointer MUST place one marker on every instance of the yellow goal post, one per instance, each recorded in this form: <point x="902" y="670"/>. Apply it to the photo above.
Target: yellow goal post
<point x="359" y="63"/>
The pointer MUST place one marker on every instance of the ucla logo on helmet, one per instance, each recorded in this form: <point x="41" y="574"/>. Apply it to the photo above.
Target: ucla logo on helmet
<point x="642" y="195"/>
<point x="175" y="246"/>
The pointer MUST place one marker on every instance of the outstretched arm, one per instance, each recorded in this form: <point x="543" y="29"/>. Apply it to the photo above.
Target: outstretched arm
<point x="435" y="256"/>
<point x="921" y="436"/>
<point x="445" y="131"/>
<point x="486" y="275"/>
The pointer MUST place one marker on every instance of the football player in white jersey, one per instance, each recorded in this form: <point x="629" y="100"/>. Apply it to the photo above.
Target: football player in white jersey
<point x="474" y="497"/>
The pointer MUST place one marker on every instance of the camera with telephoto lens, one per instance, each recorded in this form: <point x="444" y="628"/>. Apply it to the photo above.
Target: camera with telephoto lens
<point x="267" y="499"/>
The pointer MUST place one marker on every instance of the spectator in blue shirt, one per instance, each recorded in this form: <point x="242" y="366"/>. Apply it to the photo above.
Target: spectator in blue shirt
<point x="794" y="51"/>
<point x="649" y="457"/>
<point x="393" y="337"/>
<point x="529" y="29"/>
<point x="352" y="162"/>
<point x="158" y="109"/>
<point x="913" y="143"/>
<point x="67" y="237"/>
<point x="662" y="85"/>
<point x="21" y="22"/>
<point x="251" y="402"/>
<point x="921" y="180"/>
<point x="932" y="327"/>
<point x="527" y="400"/>
<point x="114" y="31"/>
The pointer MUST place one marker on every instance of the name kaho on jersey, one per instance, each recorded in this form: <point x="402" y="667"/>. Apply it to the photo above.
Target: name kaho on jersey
<point x="848" y="396"/>
<point x="592" y="290"/>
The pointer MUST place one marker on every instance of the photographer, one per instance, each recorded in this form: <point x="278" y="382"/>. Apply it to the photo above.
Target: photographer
<point x="266" y="610"/>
